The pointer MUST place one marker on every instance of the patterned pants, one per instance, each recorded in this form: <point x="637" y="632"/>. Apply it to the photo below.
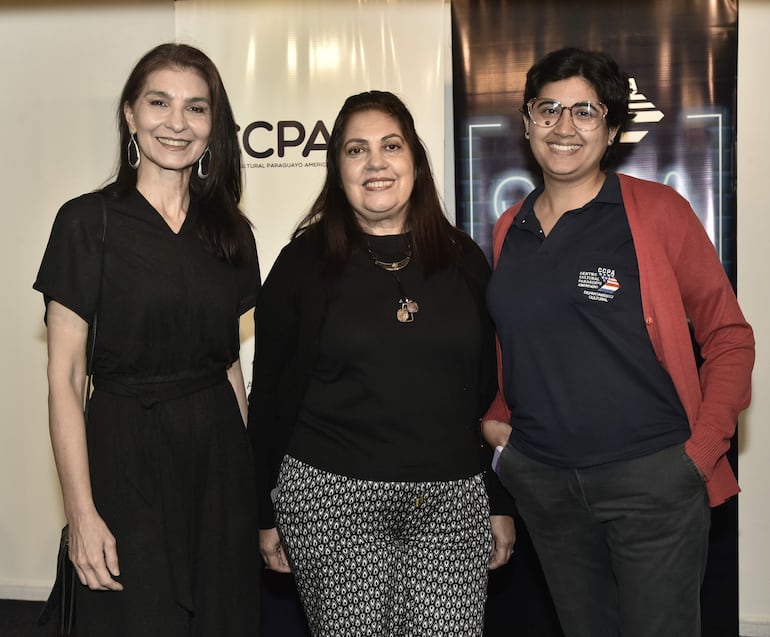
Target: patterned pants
<point x="385" y="559"/>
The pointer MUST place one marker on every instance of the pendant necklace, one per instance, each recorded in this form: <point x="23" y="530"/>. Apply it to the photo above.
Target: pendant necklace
<point x="407" y="307"/>
<point x="391" y="266"/>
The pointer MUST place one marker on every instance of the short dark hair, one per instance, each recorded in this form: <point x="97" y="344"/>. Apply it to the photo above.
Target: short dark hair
<point x="597" y="68"/>
<point x="221" y="223"/>
<point x="333" y="215"/>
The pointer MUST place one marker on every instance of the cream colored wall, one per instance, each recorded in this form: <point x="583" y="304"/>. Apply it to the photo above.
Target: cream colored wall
<point x="753" y="289"/>
<point x="61" y="71"/>
<point x="62" y="67"/>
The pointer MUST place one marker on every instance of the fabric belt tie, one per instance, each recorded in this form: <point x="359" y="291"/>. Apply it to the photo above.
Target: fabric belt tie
<point x="151" y="392"/>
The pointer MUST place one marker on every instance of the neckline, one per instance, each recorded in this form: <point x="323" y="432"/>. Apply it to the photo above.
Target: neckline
<point x="160" y="220"/>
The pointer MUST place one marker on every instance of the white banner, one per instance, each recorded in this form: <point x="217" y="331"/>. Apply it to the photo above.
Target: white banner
<point x="288" y="65"/>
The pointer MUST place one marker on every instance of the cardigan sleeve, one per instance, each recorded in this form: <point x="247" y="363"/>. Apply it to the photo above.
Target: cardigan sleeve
<point x="499" y="409"/>
<point x="683" y="285"/>
<point x="726" y="345"/>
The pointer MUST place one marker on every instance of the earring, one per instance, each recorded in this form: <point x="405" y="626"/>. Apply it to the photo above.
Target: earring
<point x="610" y="141"/>
<point x="201" y="172"/>
<point x="133" y="148"/>
<point x="526" y="134"/>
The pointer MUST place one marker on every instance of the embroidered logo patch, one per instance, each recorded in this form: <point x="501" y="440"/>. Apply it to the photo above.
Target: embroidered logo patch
<point x="599" y="285"/>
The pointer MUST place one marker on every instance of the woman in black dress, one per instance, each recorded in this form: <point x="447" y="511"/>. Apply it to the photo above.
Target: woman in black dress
<point x="158" y="485"/>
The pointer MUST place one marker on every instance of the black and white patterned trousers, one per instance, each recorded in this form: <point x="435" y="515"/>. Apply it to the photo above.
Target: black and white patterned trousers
<point x="385" y="559"/>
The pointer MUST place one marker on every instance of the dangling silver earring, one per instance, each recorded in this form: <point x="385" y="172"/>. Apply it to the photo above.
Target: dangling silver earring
<point x="133" y="148"/>
<point x="201" y="172"/>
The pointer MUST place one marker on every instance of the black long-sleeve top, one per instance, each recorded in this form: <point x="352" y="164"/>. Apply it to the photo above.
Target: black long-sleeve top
<point x="339" y="383"/>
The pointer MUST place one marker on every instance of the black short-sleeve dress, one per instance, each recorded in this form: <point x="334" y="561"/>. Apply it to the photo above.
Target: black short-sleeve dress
<point x="171" y="466"/>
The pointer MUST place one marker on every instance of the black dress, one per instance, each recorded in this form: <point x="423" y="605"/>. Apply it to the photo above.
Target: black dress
<point x="171" y="468"/>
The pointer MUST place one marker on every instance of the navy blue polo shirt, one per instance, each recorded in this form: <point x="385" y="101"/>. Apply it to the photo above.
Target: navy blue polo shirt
<point x="580" y="375"/>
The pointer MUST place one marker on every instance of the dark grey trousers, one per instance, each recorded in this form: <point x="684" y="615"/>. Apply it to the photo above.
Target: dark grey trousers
<point x="623" y="545"/>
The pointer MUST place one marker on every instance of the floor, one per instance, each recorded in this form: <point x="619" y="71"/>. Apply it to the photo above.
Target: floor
<point x="19" y="619"/>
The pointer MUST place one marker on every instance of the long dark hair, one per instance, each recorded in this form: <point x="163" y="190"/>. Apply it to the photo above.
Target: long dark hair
<point x="332" y="215"/>
<point x="597" y="68"/>
<point x="221" y="224"/>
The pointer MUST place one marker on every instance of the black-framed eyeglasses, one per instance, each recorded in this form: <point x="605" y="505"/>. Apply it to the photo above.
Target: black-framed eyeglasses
<point x="545" y="112"/>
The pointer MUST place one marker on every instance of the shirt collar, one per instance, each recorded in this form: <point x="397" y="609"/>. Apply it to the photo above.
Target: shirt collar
<point x="609" y="193"/>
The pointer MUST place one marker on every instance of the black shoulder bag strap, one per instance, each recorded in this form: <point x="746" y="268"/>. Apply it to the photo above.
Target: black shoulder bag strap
<point x="92" y="348"/>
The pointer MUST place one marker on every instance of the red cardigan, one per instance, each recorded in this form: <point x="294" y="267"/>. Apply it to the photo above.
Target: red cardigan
<point x="681" y="278"/>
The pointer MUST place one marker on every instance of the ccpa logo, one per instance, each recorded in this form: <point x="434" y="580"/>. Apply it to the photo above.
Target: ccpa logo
<point x="259" y="140"/>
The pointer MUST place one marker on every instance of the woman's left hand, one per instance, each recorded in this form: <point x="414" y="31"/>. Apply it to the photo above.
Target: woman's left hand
<point x="503" y="539"/>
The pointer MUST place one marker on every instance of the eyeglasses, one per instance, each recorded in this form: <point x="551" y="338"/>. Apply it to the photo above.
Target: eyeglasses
<point x="545" y="112"/>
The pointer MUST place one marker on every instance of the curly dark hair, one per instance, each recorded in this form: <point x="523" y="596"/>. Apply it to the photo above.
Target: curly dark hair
<point x="597" y="68"/>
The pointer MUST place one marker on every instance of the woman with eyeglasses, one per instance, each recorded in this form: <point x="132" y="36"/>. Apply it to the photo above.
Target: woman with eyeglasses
<point x="610" y="436"/>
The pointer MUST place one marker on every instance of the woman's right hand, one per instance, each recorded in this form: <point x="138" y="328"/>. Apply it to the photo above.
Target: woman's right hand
<point x="273" y="553"/>
<point x="93" y="552"/>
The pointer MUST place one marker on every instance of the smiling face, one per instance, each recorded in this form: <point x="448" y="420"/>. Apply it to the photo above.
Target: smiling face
<point x="172" y="120"/>
<point x="377" y="171"/>
<point x="563" y="152"/>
